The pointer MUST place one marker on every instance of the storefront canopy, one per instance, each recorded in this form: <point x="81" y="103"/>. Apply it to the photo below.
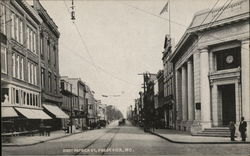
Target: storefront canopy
<point x="56" y="111"/>
<point x="33" y="113"/>
<point x="8" y="112"/>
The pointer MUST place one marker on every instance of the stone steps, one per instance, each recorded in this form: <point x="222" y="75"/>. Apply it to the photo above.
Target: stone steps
<point x="215" y="132"/>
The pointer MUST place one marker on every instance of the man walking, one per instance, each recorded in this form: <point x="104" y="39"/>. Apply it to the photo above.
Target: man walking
<point x="243" y="128"/>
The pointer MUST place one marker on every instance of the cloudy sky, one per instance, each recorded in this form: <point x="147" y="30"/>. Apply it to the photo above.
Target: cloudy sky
<point x="112" y="41"/>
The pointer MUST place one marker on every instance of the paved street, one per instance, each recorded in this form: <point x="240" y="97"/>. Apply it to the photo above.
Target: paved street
<point x="123" y="140"/>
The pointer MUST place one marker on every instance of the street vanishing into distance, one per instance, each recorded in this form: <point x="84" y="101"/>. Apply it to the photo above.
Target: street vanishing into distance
<point x="123" y="140"/>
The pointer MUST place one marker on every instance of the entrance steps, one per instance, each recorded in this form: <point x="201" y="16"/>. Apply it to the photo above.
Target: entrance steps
<point x="215" y="132"/>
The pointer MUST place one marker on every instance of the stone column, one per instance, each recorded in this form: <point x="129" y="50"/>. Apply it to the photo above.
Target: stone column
<point x="196" y="64"/>
<point x="215" y="114"/>
<point x="178" y="94"/>
<point x="190" y="89"/>
<point x="245" y="79"/>
<point x="205" y="89"/>
<point x="184" y="93"/>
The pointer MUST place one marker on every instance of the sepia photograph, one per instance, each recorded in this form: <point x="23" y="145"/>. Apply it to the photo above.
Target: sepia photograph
<point x="125" y="77"/>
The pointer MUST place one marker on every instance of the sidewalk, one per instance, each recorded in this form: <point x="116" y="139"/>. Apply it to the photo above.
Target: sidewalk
<point x="186" y="138"/>
<point x="36" y="139"/>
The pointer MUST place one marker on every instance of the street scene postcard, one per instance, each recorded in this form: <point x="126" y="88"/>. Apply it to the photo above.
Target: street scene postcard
<point x="125" y="77"/>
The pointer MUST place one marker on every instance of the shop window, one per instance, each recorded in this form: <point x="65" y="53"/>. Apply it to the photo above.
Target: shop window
<point x="34" y="100"/>
<point x="28" y="99"/>
<point x="24" y="98"/>
<point x="17" y="96"/>
<point x="31" y="101"/>
<point x="228" y="59"/>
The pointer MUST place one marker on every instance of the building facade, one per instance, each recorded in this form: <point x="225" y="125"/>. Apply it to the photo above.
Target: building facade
<point x="169" y="85"/>
<point x="91" y="105"/>
<point x="211" y="64"/>
<point x="69" y="103"/>
<point x="79" y="89"/>
<point x="20" y="67"/>
<point x="49" y="71"/>
<point x="161" y="109"/>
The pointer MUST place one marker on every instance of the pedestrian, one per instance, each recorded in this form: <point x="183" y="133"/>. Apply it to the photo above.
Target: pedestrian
<point x="41" y="128"/>
<point x="243" y="128"/>
<point x="232" y="130"/>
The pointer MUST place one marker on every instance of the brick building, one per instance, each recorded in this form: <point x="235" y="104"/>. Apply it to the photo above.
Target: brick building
<point x="20" y="67"/>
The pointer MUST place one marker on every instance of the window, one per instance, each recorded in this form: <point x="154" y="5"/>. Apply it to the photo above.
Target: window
<point x="48" y="51"/>
<point x="31" y="101"/>
<point x="17" y="96"/>
<point x="21" y="69"/>
<point x="28" y="99"/>
<point x="31" y="39"/>
<point x="32" y="73"/>
<point x="41" y="46"/>
<point x="3" y="60"/>
<point x="228" y="59"/>
<point x="49" y="77"/>
<point x="28" y="72"/>
<point x="16" y="28"/>
<point x="18" y="67"/>
<point x="3" y="19"/>
<point x="55" y="83"/>
<point x="34" y="99"/>
<point x="24" y="98"/>
<point x="21" y="32"/>
<point x="43" y="78"/>
<point x="55" y="57"/>
<point x="37" y="100"/>
<point x="13" y="96"/>
<point x="13" y="65"/>
<point x="35" y="75"/>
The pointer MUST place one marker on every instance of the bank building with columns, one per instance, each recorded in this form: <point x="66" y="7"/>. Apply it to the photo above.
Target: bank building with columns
<point x="212" y="73"/>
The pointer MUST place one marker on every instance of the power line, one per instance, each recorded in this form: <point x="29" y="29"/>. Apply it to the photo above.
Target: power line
<point x="99" y="68"/>
<point x="82" y="40"/>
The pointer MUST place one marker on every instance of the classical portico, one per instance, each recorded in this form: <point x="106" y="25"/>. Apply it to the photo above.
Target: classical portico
<point x="212" y="71"/>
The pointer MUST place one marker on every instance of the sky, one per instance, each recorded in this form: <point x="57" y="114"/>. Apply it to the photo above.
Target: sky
<point x="112" y="41"/>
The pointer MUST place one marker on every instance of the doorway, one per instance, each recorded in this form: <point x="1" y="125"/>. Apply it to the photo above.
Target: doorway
<point x="228" y="104"/>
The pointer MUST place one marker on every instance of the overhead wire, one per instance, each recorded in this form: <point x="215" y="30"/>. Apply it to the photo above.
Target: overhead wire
<point x="88" y="51"/>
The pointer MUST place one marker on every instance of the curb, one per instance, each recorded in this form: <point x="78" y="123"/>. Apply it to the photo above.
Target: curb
<point x="35" y="143"/>
<point x="186" y="142"/>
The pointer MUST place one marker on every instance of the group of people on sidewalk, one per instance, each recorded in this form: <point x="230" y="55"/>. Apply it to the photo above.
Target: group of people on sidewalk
<point x="242" y="129"/>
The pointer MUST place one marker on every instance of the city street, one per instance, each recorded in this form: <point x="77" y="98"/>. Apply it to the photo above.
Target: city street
<point x="123" y="140"/>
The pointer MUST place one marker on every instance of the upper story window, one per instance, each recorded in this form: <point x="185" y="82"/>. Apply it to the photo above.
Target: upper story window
<point x="48" y="51"/>
<point x="32" y="73"/>
<point x="228" y="59"/>
<point x="55" y="82"/>
<point x="49" y="84"/>
<point x="43" y="78"/>
<point x="3" y="60"/>
<point x="55" y="56"/>
<point x="41" y="46"/>
<point x="16" y="28"/>
<point x="31" y="39"/>
<point x="18" y="66"/>
<point x="3" y="19"/>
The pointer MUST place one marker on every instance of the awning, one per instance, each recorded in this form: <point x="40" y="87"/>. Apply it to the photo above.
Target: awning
<point x="8" y="112"/>
<point x="33" y="113"/>
<point x="56" y="111"/>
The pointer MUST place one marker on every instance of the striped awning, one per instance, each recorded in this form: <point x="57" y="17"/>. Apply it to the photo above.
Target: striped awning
<point x="33" y="113"/>
<point x="8" y="112"/>
<point x="55" y="110"/>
